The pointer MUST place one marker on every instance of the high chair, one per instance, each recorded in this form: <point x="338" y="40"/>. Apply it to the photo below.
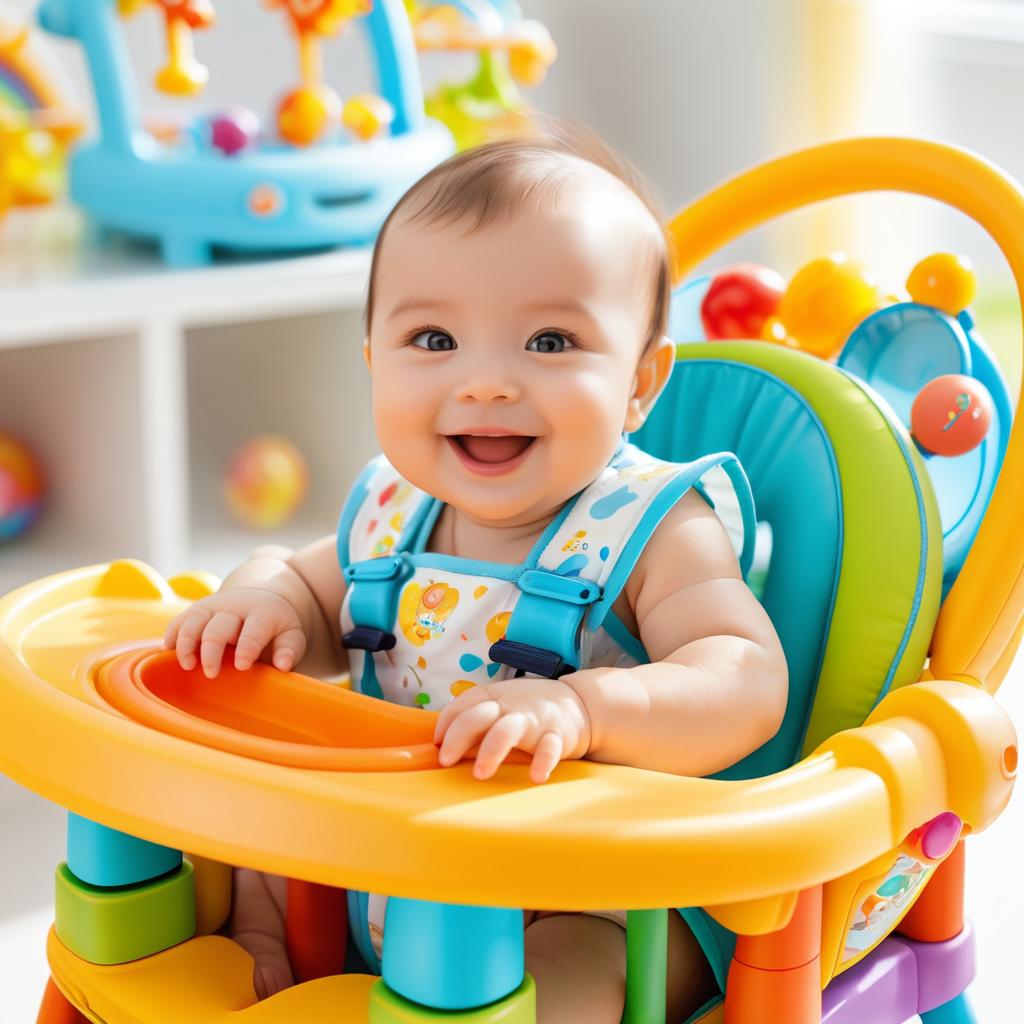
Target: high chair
<point x="822" y="875"/>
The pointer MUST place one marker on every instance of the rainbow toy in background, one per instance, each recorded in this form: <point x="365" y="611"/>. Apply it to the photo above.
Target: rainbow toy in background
<point x="266" y="482"/>
<point x="37" y="123"/>
<point x="21" y="487"/>
<point x="224" y="181"/>
<point x="924" y="356"/>
<point x="510" y="49"/>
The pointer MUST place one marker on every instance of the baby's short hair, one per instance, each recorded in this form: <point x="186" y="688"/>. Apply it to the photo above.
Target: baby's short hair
<point x="498" y="178"/>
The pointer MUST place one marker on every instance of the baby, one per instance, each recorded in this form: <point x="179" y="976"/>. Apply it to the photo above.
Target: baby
<point x="554" y="589"/>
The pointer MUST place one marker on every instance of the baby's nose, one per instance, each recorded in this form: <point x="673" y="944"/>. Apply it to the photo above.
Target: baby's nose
<point x="488" y="384"/>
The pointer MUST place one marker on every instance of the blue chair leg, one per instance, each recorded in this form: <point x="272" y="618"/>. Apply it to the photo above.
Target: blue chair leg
<point x="956" y="1011"/>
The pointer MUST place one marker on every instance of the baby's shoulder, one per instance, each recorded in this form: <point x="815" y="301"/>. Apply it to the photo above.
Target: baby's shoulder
<point x="689" y="546"/>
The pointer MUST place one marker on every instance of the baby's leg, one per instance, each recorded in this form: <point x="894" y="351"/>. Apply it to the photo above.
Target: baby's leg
<point x="257" y="925"/>
<point x="579" y="964"/>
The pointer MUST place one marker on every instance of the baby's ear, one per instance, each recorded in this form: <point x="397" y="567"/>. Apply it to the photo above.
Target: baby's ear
<point x="651" y="377"/>
<point x="366" y="354"/>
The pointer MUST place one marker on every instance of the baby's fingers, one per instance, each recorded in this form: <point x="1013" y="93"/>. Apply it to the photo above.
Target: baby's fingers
<point x="221" y="630"/>
<point x="287" y="649"/>
<point x="466" y="731"/>
<point x="454" y="708"/>
<point x="257" y="632"/>
<point x="498" y="743"/>
<point x="189" y="629"/>
<point x="546" y="756"/>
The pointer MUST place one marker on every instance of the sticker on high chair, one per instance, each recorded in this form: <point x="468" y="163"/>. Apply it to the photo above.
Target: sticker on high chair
<point x="880" y="904"/>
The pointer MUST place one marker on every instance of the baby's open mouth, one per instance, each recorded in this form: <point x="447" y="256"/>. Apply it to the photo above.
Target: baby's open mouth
<point x="492" y="450"/>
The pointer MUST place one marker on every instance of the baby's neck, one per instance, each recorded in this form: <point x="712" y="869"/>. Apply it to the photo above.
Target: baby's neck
<point x="456" y="534"/>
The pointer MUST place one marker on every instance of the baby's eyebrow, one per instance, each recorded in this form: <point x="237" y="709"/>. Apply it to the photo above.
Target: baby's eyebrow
<point x="558" y="305"/>
<point x="407" y="305"/>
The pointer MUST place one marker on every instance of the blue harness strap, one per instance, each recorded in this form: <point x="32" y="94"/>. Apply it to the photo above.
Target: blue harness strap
<point x="543" y="631"/>
<point x="375" y="584"/>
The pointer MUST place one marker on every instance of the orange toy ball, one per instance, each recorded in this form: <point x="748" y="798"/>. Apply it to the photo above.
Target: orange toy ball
<point x="740" y="301"/>
<point x="951" y="415"/>
<point x="305" y="114"/>
<point x="825" y="300"/>
<point x="266" y="482"/>
<point x="945" y="281"/>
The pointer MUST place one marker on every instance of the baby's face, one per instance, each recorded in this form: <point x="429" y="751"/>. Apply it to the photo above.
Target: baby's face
<point x="503" y="360"/>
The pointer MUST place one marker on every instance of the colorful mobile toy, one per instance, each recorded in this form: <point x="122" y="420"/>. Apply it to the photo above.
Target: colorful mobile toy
<point x="510" y="49"/>
<point x="225" y="183"/>
<point x="37" y="122"/>
<point x="822" y="875"/>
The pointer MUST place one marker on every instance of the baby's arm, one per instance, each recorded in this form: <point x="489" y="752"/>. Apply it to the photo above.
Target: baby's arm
<point x="715" y="690"/>
<point x="281" y="605"/>
<point x="717" y="684"/>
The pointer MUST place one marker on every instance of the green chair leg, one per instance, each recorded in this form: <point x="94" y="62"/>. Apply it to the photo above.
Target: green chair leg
<point x="646" y="966"/>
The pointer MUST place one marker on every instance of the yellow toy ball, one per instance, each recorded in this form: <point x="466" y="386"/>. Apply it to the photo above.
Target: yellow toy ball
<point x="825" y="300"/>
<point x="266" y="482"/>
<point x="945" y="281"/>
<point x="366" y="115"/>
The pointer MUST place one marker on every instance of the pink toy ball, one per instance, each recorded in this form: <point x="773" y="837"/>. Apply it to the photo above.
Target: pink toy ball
<point x="740" y="301"/>
<point x="266" y="482"/>
<point x="21" y="488"/>
<point x="951" y="415"/>
<point x="234" y="131"/>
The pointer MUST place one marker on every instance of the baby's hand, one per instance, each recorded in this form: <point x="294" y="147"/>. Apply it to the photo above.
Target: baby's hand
<point x="253" y="620"/>
<point x="544" y="717"/>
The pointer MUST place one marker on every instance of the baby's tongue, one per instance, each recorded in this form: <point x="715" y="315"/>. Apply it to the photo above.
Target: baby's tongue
<point x="494" y="449"/>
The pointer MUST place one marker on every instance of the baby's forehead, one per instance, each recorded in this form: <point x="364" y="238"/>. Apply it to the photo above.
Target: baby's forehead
<point x="588" y="221"/>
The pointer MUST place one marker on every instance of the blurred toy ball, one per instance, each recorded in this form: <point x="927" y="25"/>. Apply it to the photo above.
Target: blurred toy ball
<point x="234" y="131"/>
<point x="266" y="482"/>
<point x="825" y="300"/>
<point x="367" y="115"/>
<point x="21" y="488"/>
<point x="951" y="415"/>
<point x="740" y="301"/>
<point x="945" y="281"/>
<point x="304" y="115"/>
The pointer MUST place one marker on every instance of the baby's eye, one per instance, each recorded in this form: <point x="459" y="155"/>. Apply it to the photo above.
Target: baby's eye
<point x="549" y="341"/>
<point x="434" y="341"/>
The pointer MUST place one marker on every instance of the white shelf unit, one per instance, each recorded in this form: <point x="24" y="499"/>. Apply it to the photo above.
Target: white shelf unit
<point x="134" y="383"/>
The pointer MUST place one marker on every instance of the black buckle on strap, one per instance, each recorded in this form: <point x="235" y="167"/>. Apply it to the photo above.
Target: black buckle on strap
<point x="367" y="638"/>
<point x="536" y="660"/>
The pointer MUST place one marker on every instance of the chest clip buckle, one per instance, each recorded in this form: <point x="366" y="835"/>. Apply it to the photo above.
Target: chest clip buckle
<point x="526" y="658"/>
<point x="366" y="638"/>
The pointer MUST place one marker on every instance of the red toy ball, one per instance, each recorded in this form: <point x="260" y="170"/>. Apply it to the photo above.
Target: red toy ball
<point x="740" y="300"/>
<point x="951" y="415"/>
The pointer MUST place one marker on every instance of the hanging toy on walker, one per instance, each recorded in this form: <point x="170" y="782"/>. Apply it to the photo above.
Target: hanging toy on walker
<point x="225" y="182"/>
<point x="511" y="51"/>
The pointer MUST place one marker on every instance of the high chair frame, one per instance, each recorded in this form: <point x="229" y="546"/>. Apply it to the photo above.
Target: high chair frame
<point x="772" y="859"/>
